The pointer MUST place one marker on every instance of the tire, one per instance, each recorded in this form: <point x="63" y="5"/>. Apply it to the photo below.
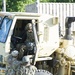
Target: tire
<point x="42" y="72"/>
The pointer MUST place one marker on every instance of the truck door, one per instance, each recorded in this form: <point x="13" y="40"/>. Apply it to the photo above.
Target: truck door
<point x="48" y="35"/>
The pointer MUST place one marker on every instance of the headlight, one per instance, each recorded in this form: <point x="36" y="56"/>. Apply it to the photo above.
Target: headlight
<point x="70" y="52"/>
<point x="2" y="71"/>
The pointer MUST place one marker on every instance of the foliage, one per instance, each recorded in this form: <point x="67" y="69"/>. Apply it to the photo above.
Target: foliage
<point x="44" y="0"/>
<point x="0" y="5"/>
<point x="57" y="0"/>
<point x="64" y="0"/>
<point x="17" y="5"/>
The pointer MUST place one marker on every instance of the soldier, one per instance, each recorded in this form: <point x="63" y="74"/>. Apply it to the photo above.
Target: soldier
<point x="13" y="64"/>
<point x="29" y="32"/>
<point x="30" y="42"/>
<point x="27" y="45"/>
<point x="27" y="68"/>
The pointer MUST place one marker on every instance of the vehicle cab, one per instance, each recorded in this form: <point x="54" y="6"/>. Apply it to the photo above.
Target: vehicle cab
<point x="45" y="34"/>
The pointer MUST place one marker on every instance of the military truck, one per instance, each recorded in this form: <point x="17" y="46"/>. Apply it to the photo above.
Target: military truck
<point x="49" y="52"/>
<point x="45" y="34"/>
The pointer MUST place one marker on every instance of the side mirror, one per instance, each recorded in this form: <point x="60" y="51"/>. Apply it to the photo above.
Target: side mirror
<point x="0" y="19"/>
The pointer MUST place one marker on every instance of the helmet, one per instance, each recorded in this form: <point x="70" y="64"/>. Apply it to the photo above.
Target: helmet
<point x="30" y="46"/>
<point x="28" y="27"/>
<point x="26" y="59"/>
<point x="14" y="53"/>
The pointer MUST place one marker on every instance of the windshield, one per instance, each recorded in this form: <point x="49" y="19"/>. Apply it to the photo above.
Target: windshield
<point x="4" y="30"/>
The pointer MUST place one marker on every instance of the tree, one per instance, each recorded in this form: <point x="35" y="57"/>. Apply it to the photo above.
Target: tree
<point x="17" y="5"/>
<point x="0" y="5"/>
<point x="44" y="0"/>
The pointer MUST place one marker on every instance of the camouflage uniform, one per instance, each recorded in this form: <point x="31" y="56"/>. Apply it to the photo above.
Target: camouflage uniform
<point x="9" y="64"/>
<point x="13" y="67"/>
<point x="30" y="36"/>
<point x="27" y="69"/>
<point x="30" y="42"/>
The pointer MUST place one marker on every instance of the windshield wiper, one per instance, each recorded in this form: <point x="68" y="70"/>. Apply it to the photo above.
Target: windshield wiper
<point x="2" y="21"/>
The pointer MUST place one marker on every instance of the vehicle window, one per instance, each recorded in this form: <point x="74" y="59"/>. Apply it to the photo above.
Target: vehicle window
<point x="4" y="30"/>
